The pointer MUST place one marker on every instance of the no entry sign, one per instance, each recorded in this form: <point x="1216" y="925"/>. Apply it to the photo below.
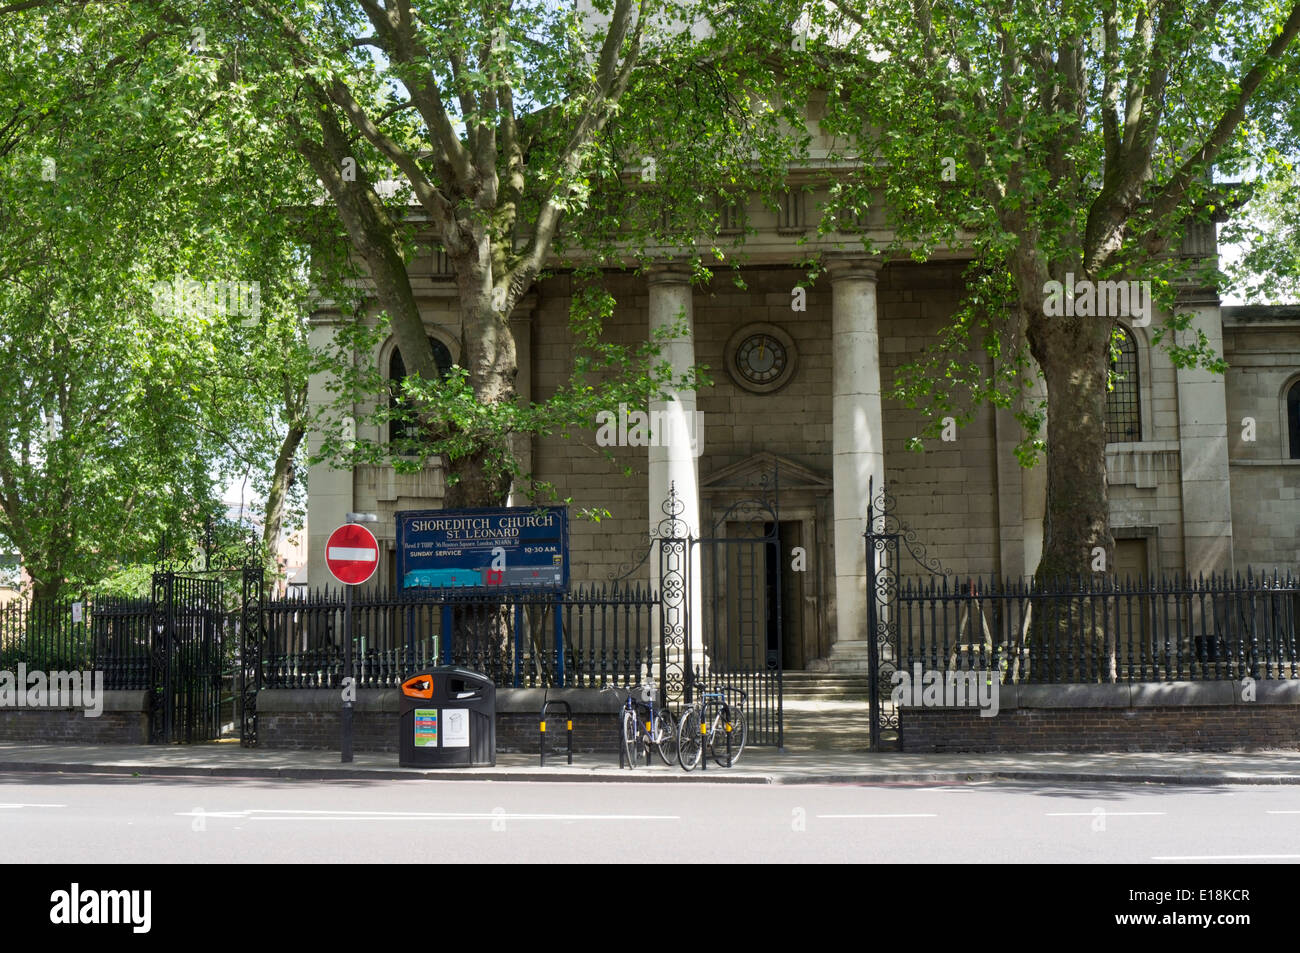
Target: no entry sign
<point x="352" y="554"/>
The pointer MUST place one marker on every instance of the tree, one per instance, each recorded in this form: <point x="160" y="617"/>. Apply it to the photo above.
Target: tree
<point x="1069" y="143"/>
<point x="137" y="371"/>
<point x="1268" y="234"/>
<point x="491" y="122"/>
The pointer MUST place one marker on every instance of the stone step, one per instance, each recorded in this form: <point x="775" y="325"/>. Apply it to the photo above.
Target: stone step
<point x="825" y="677"/>
<point x="820" y="684"/>
<point x="824" y="682"/>
<point x="825" y="686"/>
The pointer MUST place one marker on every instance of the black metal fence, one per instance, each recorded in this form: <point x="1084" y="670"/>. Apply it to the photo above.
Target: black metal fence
<point x="107" y="634"/>
<point x="1101" y="630"/>
<point x="589" y="638"/>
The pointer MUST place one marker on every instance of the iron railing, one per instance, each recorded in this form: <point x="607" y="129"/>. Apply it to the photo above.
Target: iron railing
<point x="591" y="637"/>
<point x="1102" y="629"/>
<point x="107" y="634"/>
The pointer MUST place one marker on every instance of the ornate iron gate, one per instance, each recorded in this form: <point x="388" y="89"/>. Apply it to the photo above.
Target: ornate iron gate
<point x="187" y="658"/>
<point x="251" y="640"/>
<point x="720" y="610"/>
<point x="884" y="534"/>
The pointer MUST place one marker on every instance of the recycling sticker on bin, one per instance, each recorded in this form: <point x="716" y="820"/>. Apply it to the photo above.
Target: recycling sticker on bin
<point x="455" y="727"/>
<point x="426" y="727"/>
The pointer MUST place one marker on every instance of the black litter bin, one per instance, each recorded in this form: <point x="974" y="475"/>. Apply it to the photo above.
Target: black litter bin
<point x="447" y="718"/>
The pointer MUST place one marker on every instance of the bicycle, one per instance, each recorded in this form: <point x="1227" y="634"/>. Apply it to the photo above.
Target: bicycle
<point x="644" y="726"/>
<point x="712" y="722"/>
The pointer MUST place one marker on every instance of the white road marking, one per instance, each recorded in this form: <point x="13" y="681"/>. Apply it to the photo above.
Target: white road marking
<point x="1233" y="857"/>
<point x="14" y="806"/>
<point x="279" y="814"/>
<point x="1282" y="812"/>
<point x="1104" y="813"/>
<point x="841" y="816"/>
<point x="474" y="817"/>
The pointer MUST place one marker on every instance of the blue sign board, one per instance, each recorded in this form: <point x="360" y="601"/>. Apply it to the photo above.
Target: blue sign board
<point x="511" y="547"/>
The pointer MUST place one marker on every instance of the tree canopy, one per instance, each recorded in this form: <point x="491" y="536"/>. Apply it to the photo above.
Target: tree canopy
<point x="1067" y="143"/>
<point x="507" y="135"/>
<point x="145" y="317"/>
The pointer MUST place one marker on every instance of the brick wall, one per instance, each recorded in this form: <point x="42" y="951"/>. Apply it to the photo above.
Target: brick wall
<point x="377" y="731"/>
<point x="69" y="726"/>
<point x="1083" y="729"/>
<point x="1166" y="716"/>
<point x="309" y="719"/>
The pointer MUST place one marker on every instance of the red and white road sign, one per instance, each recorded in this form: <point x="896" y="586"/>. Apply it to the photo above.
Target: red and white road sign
<point x="352" y="554"/>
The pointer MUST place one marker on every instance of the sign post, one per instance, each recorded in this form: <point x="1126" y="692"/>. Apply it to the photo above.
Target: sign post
<point x="352" y="554"/>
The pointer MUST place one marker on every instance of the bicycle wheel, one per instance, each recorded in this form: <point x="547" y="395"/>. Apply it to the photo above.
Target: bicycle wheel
<point x="689" y="743"/>
<point x="628" y="737"/>
<point x="739" y="732"/>
<point x="665" y="736"/>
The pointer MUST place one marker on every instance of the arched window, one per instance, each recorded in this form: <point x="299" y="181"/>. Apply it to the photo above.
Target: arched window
<point x="1293" y="419"/>
<point x="397" y="372"/>
<point x="1123" y="406"/>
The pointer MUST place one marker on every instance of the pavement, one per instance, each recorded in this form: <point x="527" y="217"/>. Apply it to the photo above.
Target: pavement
<point x="757" y="766"/>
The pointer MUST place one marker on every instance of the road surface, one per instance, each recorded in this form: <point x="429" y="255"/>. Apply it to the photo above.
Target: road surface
<point x="76" y="819"/>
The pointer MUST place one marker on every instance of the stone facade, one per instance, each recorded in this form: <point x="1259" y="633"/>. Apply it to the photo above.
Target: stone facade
<point x="1263" y="350"/>
<point x="1190" y="494"/>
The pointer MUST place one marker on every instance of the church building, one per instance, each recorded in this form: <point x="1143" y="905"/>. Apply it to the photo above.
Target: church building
<point x="1204" y="469"/>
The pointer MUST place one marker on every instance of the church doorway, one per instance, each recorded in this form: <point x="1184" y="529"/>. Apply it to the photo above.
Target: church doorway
<point x="769" y="584"/>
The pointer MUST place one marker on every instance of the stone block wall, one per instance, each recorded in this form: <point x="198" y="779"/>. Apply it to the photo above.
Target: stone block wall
<point x="949" y="494"/>
<point x="1262" y="346"/>
<point x="1145" y="476"/>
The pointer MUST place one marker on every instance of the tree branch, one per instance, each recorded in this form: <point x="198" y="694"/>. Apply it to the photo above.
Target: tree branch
<point x="1172" y="195"/>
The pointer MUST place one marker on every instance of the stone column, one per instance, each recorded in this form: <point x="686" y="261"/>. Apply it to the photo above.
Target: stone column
<point x="857" y="447"/>
<point x="331" y="496"/>
<point x="1203" y="446"/>
<point x="672" y="460"/>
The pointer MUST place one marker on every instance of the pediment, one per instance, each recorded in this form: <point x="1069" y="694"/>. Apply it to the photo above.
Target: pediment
<point x="762" y="472"/>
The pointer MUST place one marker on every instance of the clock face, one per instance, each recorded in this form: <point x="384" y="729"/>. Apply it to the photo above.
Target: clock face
<point x="761" y="358"/>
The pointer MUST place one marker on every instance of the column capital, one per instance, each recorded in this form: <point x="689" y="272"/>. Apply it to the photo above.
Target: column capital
<point x="853" y="266"/>
<point x="668" y="272"/>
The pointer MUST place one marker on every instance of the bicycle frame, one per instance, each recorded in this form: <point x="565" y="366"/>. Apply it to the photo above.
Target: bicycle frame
<point x="645" y="738"/>
<point x="714" y="709"/>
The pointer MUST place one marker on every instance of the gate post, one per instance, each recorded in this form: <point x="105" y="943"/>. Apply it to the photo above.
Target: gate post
<point x="882" y="628"/>
<point x="674" y="617"/>
<point x="675" y="579"/>
<point x="885" y="537"/>
<point x="250" y="653"/>
<point x="161" y="606"/>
